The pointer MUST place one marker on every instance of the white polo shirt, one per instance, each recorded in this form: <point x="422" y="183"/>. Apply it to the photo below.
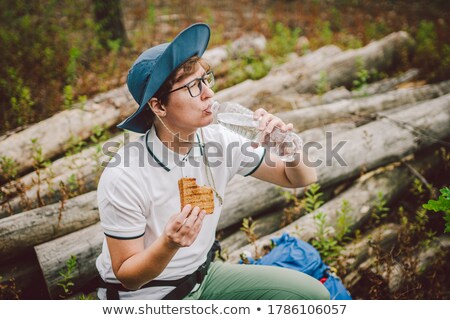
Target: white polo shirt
<point x="138" y="193"/>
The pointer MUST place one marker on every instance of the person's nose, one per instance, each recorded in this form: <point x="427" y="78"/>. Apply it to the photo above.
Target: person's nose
<point x="207" y="92"/>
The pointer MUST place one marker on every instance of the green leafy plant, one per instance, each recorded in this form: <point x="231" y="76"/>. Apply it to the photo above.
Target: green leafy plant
<point x="283" y="40"/>
<point x="323" y="85"/>
<point x="326" y="244"/>
<point x="442" y="204"/>
<point x="76" y="145"/>
<point x="99" y="134"/>
<point x="67" y="275"/>
<point x="68" y="97"/>
<point x="248" y="227"/>
<point x="71" y="69"/>
<point x="313" y="198"/>
<point x="72" y="184"/>
<point x="362" y="75"/>
<point x="9" y="290"/>
<point x="39" y="160"/>
<point x="380" y="209"/>
<point x="8" y="168"/>
<point x="86" y="297"/>
<point x="325" y="33"/>
<point x="39" y="163"/>
<point x="344" y="220"/>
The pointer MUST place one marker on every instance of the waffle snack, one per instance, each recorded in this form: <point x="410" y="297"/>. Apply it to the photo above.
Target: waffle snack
<point x="195" y="195"/>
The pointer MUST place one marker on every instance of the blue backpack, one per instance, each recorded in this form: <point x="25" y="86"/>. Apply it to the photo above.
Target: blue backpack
<point x="293" y="253"/>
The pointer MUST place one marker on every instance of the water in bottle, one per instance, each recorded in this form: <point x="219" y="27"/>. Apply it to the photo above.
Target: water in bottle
<point x="240" y="120"/>
<point x="228" y="107"/>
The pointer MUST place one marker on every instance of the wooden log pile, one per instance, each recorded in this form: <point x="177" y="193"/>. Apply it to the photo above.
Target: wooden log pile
<point x="361" y="145"/>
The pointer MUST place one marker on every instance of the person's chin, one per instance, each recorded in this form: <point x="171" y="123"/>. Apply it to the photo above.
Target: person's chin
<point x="207" y="120"/>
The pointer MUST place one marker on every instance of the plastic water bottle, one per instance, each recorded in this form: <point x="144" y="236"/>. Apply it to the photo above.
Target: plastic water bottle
<point x="240" y="120"/>
<point x="229" y="107"/>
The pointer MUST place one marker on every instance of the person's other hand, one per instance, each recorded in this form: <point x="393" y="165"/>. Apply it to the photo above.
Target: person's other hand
<point x="267" y="123"/>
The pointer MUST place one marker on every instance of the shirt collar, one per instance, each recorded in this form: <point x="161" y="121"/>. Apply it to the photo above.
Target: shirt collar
<point x="164" y="156"/>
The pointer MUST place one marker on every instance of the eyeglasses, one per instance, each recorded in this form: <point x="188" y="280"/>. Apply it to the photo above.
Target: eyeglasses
<point x="195" y="86"/>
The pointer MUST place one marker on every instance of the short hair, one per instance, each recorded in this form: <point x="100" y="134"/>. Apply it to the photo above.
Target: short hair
<point x="182" y="72"/>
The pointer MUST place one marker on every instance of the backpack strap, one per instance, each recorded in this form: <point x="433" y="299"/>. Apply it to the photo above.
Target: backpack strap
<point x="183" y="286"/>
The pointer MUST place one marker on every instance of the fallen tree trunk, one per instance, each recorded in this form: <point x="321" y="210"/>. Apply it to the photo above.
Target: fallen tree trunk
<point x="66" y="177"/>
<point x="425" y="260"/>
<point x="392" y="276"/>
<point x="386" y="85"/>
<point x="391" y="181"/>
<point x="327" y="65"/>
<point x="253" y="41"/>
<point x="342" y="69"/>
<point x="277" y="80"/>
<point x="292" y="67"/>
<point x="387" y="139"/>
<point x="24" y="230"/>
<point x="85" y="245"/>
<point x="79" y="173"/>
<point x="364" y="153"/>
<point x="267" y="223"/>
<point x="306" y="118"/>
<point x="78" y="124"/>
<point x="302" y="119"/>
<point x="355" y="253"/>
<point x="293" y="101"/>
<point x="362" y="197"/>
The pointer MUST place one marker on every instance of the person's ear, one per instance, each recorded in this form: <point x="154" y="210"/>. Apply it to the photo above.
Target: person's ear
<point x="156" y="106"/>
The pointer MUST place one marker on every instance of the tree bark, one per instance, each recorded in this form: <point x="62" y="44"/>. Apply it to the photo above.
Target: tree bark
<point x="362" y="154"/>
<point x="85" y="245"/>
<point x="391" y="181"/>
<point x="252" y="41"/>
<point x="103" y="111"/>
<point x="328" y="66"/>
<point x="358" y="251"/>
<point x="293" y="101"/>
<point x="393" y="274"/>
<point x="342" y="69"/>
<point x="109" y="19"/>
<point x="24" y="230"/>
<point x="277" y="80"/>
<point x="87" y="170"/>
<point x="78" y="173"/>
<point x="316" y="116"/>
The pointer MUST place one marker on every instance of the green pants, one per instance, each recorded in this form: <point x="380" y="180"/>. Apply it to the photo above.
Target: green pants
<point x="226" y="281"/>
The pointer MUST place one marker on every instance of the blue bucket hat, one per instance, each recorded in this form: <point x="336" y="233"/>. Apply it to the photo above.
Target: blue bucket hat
<point x="154" y="66"/>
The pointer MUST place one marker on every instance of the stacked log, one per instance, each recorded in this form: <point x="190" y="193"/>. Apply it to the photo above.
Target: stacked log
<point x="292" y="101"/>
<point x="87" y="166"/>
<point x="397" y="143"/>
<point x="374" y="134"/>
<point x="49" y="191"/>
<point x="303" y="75"/>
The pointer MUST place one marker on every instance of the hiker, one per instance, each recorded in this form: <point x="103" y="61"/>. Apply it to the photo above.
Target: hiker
<point x="152" y="248"/>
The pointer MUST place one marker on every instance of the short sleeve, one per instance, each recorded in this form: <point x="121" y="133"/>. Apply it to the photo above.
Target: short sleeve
<point x="245" y="158"/>
<point x="120" y="205"/>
